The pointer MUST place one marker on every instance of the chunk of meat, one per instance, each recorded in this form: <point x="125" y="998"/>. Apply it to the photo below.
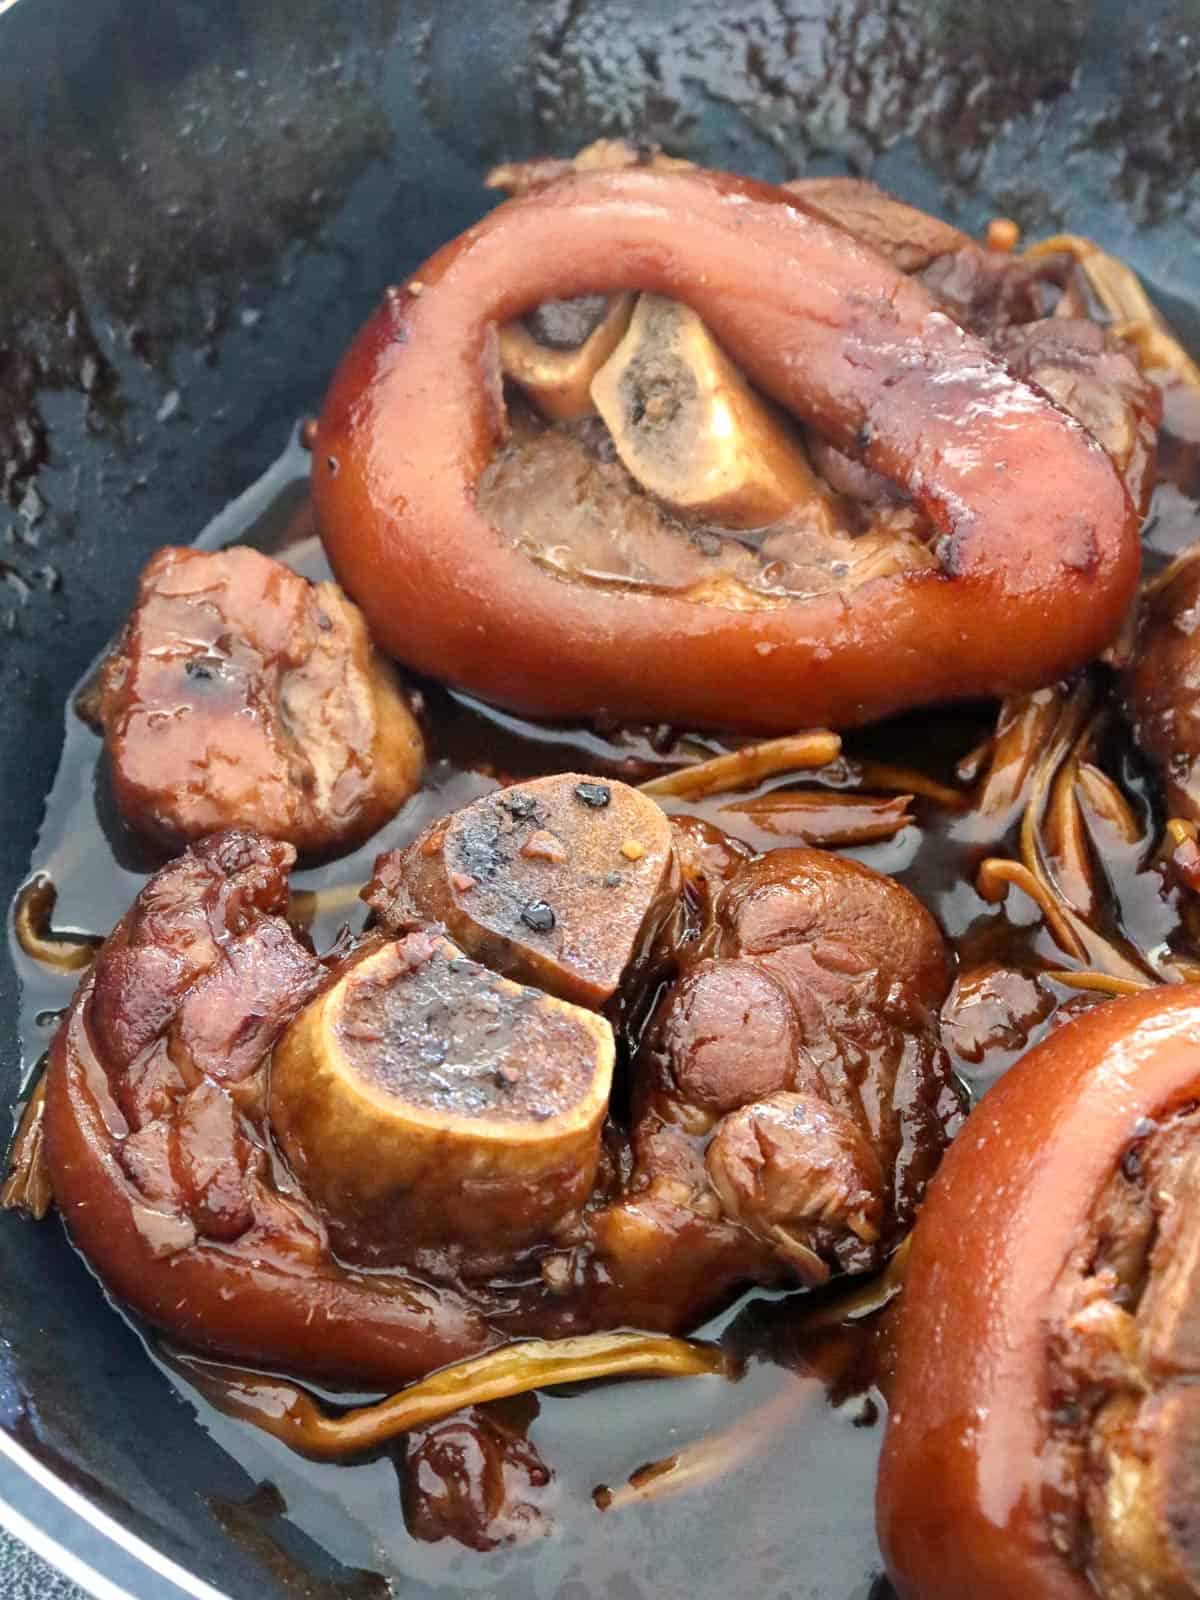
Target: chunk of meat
<point x="423" y="1101"/>
<point x="1061" y="1322"/>
<point x="206" y="925"/>
<point x="728" y="1035"/>
<point x="559" y="882"/>
<point x="241" y="694"/>
<point x="1096" y="378"/>
<point x="910" y="238"/>
<point x="1169" y="1310"/>
<point x="801" y="1176"/>
<point x="866" y="969"/>
<point x="790" y="1095"/>
<point x="216" y="1162"/>
<point x="656" y="1251"/>
<point x="984" y="290"/>
<point x="851" y="922"/>
<point x="1142" y="1490"/>
<point x="1162" y="686"/>
<point x="1124" y="1442"/>
<point x="708" y="858"/>
<point x="231" y="1016"/>
<point x="476" y="1480"/>
<point x="159" y="1150"/>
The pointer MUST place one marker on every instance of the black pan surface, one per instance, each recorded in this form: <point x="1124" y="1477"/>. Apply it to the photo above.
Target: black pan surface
<point x="201" y="199"/>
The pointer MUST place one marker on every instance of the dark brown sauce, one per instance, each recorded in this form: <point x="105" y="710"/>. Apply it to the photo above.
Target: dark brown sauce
<point x="792" y="1511"/>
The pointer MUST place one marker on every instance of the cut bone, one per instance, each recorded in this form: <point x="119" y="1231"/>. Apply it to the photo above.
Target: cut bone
<point x="690" y="429"/>
<point x="557" y="378"/>
<point x="557" y="882"/>
<point x="424" y="1102"/>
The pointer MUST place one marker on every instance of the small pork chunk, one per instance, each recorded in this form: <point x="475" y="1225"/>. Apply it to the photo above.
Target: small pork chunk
<point x="800" y="1176"/>
<point x="475" y="1478"/>
<point x="240" y="694"/>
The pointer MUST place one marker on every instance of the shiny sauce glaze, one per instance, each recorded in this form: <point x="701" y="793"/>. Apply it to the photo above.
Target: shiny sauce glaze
<point x="766" y="1482"/>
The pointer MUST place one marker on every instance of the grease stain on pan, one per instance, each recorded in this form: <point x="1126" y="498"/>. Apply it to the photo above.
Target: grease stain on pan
<point x="849" y="77"/>
<point x="122" y="238"/>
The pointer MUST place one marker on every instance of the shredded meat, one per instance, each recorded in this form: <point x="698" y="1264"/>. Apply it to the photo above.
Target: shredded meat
<point x="1124" y="1454"/>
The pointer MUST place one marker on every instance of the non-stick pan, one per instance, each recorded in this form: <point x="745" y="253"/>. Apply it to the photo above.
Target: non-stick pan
<point x="199" y="201"/>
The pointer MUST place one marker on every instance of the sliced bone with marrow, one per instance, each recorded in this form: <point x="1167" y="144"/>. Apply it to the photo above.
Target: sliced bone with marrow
<point x="558" y="882"/>
<point x="556" y="352"/>
<point x="689" y="481"/>
<point x="425" y="1102"/>
<point x="691" y="430"/>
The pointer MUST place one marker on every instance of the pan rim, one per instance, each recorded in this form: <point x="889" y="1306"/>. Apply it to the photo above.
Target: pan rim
<point x="86" y="1545"/>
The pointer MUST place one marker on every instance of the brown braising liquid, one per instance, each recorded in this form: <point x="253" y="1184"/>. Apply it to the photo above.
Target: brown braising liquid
<point x="785" y="1503"/>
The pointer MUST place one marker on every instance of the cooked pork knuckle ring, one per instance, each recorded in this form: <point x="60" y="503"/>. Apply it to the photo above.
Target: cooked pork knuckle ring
<point x="1033" y="552"/>
<point x="374" y="1165"/>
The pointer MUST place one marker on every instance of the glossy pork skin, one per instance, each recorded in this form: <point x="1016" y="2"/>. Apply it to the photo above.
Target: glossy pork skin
<point x="241" y="695"/>
<point x="158" y="1150"/>
<point x="1036" y="532"/>
<point x="968" y="1498"/>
